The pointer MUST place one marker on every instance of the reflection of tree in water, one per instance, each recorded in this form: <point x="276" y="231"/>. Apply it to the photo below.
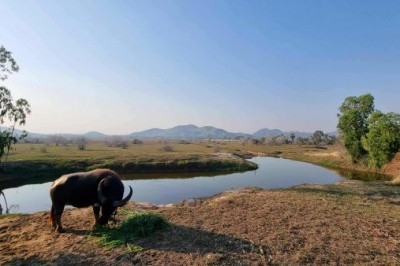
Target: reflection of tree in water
<point x="5" y="201"/>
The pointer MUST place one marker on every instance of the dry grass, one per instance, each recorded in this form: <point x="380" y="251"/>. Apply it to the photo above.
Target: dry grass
<point x="352" y="223"/>
<point x="151" y="149"/>
<point x="337" y="224"/>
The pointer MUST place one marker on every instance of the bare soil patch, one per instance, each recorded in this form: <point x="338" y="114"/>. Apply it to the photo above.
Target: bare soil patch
<point x="347" y="223"/>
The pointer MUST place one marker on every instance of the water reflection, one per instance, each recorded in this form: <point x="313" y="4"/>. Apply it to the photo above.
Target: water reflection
<point x="363" y="176"/>
<point x="172" y="175"/>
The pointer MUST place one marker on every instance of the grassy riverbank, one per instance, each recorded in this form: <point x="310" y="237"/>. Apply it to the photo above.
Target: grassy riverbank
<point x="38" y="160"/>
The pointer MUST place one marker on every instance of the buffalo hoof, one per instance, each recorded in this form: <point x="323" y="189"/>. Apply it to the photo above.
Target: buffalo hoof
<point x="60" y="230"/>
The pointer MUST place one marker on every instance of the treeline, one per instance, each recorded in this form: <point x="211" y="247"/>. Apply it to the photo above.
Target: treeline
<point x="318" y="138"/>
<point x="369" y="135"/>
<point x="81" y="142"/>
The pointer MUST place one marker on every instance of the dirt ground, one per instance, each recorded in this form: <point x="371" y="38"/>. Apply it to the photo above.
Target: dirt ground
<point x="347" y="223"/>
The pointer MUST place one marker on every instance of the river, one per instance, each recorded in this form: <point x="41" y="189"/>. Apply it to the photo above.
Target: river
<point x="172" y="188"/>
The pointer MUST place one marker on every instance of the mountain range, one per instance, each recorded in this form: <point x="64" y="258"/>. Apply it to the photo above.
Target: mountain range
<point x="178" y="132"/>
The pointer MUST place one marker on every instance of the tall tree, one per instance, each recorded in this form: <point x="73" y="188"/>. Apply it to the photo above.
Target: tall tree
<point x="11" y="113"/>
<point x="353" y="123"/>
<point x="383" y="138"/>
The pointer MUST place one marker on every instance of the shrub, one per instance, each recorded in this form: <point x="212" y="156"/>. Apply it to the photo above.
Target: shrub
<point x="137" y="141"/>
<point x="167" y="148"/>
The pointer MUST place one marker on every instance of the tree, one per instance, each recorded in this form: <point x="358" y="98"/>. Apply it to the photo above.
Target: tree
<point x="81" y="143"/>
<point x="383" y="138"/>
<point x="137" y="141"/>
<point x="292" y="136"/>
<point x="353" y="123"/>
<point x="11" y="113"/>
<point x="8" y="65"/>
<point x="318" y="137"/>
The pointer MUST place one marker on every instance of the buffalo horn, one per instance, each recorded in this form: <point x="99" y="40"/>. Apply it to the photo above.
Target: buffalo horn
<point x="119" y="203"/>
<point x="100" y="195"/>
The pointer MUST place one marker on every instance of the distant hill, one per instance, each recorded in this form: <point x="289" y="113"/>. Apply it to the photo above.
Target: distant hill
<point x="265" y="132"/>
<point x="179" y="132"/>
<point x="186" y="132"/>
<point x="95" y="135"/>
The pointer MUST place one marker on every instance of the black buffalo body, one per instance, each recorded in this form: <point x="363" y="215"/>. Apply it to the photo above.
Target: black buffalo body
<point x="100" y="188"/>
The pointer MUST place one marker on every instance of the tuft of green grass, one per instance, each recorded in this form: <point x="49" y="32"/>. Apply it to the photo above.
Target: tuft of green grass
<point x="137" y="226"/>
<point x="2" y="216"/>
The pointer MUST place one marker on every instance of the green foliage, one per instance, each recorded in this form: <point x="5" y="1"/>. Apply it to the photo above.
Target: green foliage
<point x="353" y="123"/>
<point x="7" y="63"/>
<point x="137" y="226"/>
<point x="6" y="141"/>
<point x="383" y="138"/>
<point x="368" y="133"/>
<point x="13" y="113"/>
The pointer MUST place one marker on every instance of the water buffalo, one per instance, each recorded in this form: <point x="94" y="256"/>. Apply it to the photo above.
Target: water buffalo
<point x="100" y="188"/>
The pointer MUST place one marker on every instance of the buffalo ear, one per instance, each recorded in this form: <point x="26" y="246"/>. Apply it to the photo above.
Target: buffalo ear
<point x="119" y="203"/>
<point x="100" y="195"/>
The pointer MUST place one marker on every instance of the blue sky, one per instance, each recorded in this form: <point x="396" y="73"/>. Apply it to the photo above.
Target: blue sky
<point x="123" y="66"/>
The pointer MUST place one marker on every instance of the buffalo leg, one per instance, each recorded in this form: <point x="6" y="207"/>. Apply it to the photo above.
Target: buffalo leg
<point x="96" y="211"/>
<point x="53" y="217"/>
<point x="58" y="211"/>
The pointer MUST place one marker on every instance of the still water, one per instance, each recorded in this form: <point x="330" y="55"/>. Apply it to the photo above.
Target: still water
<point x="170" y="188"/>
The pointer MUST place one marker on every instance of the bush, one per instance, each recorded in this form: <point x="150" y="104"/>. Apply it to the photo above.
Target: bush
<point x="167" y="148"/>
<point x="137" y="141"/>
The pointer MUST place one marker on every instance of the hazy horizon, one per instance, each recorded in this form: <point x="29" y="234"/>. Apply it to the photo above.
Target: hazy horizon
<point x="130" y="132"/>
<point x="127" y="66"/>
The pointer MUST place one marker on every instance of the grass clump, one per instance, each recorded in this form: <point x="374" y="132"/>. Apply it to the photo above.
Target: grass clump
<point x="137" y="226"/>
<point x="2" y="216"/>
